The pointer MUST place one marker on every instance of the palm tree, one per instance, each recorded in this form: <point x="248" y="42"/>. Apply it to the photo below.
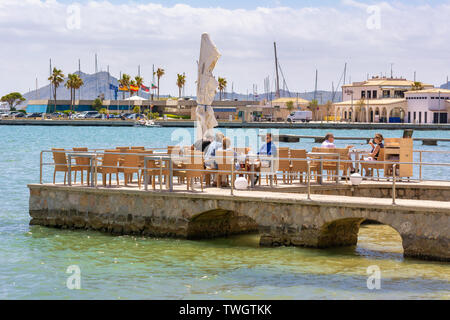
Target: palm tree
<point x="313" y="107"/>
<point x="70" y="85"/>
<point x="78" y="83"/>
<point x="125" y="82"/>
<point x="181" y="81"/>
<point x="417" y="86"/>
<point x="139" y="82"/>
<point x="359" y="106"/>
<point x="159" y="73"/>
<point x="56" y="79"/>
<point x="222" y="85"/>
<point x="328" y="107"/>
<point x="290" y="105"/>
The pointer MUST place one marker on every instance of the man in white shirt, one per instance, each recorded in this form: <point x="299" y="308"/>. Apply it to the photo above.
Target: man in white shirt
<point x="329" y="141"/>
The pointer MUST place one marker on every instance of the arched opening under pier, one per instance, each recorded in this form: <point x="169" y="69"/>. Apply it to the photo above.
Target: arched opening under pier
<point x="219" y="223"/>
<point x="366" y="235"/>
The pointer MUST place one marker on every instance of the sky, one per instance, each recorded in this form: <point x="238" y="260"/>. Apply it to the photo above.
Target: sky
<point x="370" y="36"/>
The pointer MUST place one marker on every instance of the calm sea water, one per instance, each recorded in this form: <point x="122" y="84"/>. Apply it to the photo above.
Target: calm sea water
<point x="34" y="260"/>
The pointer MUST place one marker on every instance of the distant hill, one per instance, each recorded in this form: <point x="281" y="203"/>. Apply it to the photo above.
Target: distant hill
<point x="446" y="85"/>
<point x="99" y="80"/>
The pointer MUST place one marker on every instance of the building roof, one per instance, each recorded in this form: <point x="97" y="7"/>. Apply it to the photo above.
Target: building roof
<point x="285" y="100"/>
<point x="385" y="82"/>
<point x="374" y="102"/>
<point x="432" y="90"/>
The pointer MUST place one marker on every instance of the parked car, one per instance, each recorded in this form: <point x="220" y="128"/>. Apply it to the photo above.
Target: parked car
<point x="34" y="115"/>
<point x="303" y="116"/>
<point x="87" y="115"/>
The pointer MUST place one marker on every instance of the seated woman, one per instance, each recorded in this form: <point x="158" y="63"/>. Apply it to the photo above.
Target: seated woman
<point x="377" y="145"/>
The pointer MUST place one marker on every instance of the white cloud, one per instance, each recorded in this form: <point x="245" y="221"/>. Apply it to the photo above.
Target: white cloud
<point x="414" y="38"/>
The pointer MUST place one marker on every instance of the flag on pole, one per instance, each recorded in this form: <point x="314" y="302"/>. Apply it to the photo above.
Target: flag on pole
<point x="144" y="88"/>
<point x="123" y="88"/>
<point x="154" y="87"/>
<point x="134" y="88"/>
<point x="113" y="87"/>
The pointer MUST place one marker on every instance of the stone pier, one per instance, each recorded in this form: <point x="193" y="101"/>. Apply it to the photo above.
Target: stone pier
<point x="280" y="218"/>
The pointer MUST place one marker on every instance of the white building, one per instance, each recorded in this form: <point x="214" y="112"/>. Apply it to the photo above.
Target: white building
<point x="4" y="106"/>
<point x="428" y="106"/>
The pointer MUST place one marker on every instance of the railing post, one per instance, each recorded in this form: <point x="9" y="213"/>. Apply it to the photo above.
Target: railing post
<point x="309" y="180"/>
<point x="170" y="175"/>
<point x="232" y="177"/>
<point x="420" y="166"/>
<point x="394" y="177"/>
<point x="145" y="175"/>
<point x="160" y="173"/>
<point x="69" y="174"/>
<point x="40" y="168"/>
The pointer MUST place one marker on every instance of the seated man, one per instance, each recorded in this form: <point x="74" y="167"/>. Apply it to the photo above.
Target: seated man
<point x="210" y="151"/>
<point x="267" y="149"/>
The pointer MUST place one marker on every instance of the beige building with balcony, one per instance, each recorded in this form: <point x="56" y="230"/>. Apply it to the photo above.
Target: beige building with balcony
<point x="376" y="100"/>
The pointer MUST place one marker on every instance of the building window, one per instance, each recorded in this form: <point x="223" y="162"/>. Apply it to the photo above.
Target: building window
<point x="409" y="116"/>
<point x="363" y="94"/>
<point x="374" y="94"/>
<point x="414" y="116"/>
<point x="386" y="94"/>
<point x="399" y="94"/>
<point x="426" y="117"/>
<point x="420" y="117"/>
<point x="369" y="94"/>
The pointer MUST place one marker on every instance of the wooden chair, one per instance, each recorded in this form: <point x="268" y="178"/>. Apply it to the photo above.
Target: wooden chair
<point x="284" y="164"/>
<point x="329" y="166"/>
<point x="110" y="163"/>
<point x="83" y="163"/>
<point x="298" y="166"/>
<point x="131" y="165"/>
<point x="224" y="160"/>
<point x="61" y="164"/>
<point x="376" y="164"/>
<point x="153" y="171"/>
<point x="122" y="150"/>
<point x="194" y="168"/>
<point x="177" y="161"/>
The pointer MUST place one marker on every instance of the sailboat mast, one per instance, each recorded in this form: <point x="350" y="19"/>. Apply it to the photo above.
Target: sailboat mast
<point x="277" y="93"/>
<point x="345" y="74"/>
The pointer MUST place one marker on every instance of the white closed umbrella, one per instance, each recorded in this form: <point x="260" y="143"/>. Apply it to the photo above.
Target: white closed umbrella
<point x="206" y="86"/>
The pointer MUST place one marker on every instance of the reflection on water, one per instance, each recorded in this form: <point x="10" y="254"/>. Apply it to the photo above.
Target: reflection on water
<point x="34" y="260"/>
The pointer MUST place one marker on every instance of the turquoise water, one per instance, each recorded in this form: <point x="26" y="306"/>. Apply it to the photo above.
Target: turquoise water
<point x="33" y="260"/>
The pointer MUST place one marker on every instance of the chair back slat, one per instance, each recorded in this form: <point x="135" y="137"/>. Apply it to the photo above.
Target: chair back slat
<point x="60" y="159"/>
<point x="283" y="159"/>
<point x="224" y="159"/>
<point x="110" y="158"/>
<point x="84" y="162"/>
<point x="299" y="165"/>
<point x="131" y="161"/>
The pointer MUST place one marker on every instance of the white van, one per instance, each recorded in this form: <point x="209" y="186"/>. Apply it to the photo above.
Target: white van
<point x="303" y="116"/>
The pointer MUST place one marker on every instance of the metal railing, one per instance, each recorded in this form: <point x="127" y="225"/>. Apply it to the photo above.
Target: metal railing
<point x="160" y="158"/>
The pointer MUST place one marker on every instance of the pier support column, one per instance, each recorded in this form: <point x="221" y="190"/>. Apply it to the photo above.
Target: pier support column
<point x="426" y="248"/>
